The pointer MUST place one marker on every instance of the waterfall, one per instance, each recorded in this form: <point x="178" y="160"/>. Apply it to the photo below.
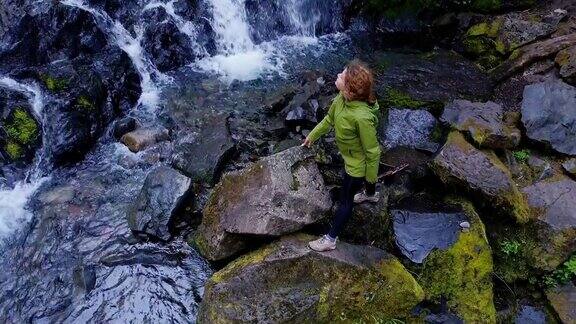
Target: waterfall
<point x="303" y="16"/>
<point x="13" y="201"/>
<point x="149" y="75"/>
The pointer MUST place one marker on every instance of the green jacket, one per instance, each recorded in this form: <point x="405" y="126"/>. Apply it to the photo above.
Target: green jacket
<point x="355" y="124"/>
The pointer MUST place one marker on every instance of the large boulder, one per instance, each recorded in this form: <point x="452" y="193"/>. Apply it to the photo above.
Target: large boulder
<point x="552" y="205"/>
<point x="352" y="283"/>
<point x="201" y="155"/>
<point x="563" y="300"/>
<point x="277" y="195"/>
<point x="549" y="115"/>
<point x="461" y="165"/>
<point x="484" y="122"/>
<point x="162" y="196"/>
<point x="461" y="274"/>
<point x="415" y="129"/>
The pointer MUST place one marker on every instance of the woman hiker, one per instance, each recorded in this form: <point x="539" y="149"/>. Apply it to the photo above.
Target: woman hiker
<point x="353" y="117"/>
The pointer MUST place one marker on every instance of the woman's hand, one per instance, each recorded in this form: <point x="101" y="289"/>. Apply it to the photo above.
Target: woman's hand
<point x="307" y="142"/>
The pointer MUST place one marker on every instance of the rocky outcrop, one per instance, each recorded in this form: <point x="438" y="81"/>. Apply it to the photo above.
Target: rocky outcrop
<point x="552" y="204"/>
<point x="210" y="148"/>
<point x="563" y="300"/>
<point x="461" y="165"/>
<point x="484" y="122"/>
<point x="522" y="57"/>
<point x="415" y="129"/>
<point x="142" y="138"/>
<point x="352" y="283"/>
<point x="549" y="115"/>
<point x="494" y="38"/>
<point x="462" y="272"/>
<point x="163" y="194"/>
<point x="277" y="195"/>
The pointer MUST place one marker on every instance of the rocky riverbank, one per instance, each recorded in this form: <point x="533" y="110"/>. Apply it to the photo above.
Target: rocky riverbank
<point x="171" y="184"/>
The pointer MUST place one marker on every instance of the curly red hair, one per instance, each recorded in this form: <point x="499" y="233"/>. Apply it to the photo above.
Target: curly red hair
<point x="359" y="82"/>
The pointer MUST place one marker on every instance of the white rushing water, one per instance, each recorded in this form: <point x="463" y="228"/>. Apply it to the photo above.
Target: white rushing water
<point x="239" y="58"/>
<point x="13" y="201"/>
<point x="132" y="45"/>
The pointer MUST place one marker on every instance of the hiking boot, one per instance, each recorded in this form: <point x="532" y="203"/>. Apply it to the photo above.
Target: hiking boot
<point x="363" y="197"/>
<point x="324" y="243"/>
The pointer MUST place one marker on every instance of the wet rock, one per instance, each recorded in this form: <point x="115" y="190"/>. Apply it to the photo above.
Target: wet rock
<point x="563" y="300"/>
<point x="44" y="36"/>
<point x="417" y="233"/>
<point x="413" y="129"/>
<point x="552" y="203"/>
<point x="277" y="195"/>
<point x="123" y="126"/>
<point x="461" y="165"/>
<point x="566" y="59"/>
<point x="203" y="154"/>
<point x="353" y="283"/>
<point x="549" y="115"/>
<point x="541" y="168"/>
<point x="167" y="46"/>
<point x="462" y="272"/>
<point x="484" y="122"/>
<point x="570" y="166"/>
<point x="144" y="137"/>
<point x="162" y="196"/>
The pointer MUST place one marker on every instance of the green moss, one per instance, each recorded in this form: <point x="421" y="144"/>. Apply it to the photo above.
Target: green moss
<point x="462" y="273"/>
<point x="521" y="155"/>
<point x="84" y="103"/>
<point x="14" y="150"/>
<point x="397" y="98"/>
<point x="54" y="84"/>
<point x="563" y="274"/>
<point x="22" y="127"/>
<point x="512" y="260"/>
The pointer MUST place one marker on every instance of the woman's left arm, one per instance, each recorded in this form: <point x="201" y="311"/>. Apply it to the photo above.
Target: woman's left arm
<point x="367" y="132"/>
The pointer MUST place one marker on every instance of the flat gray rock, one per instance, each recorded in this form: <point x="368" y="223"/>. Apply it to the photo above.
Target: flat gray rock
<point x="549" y="115"/>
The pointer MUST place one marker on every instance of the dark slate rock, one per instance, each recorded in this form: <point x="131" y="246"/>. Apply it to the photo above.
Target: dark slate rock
<point x="418" y="233"/>
<point x="412" y="129"/>
<point x="203" y="154"/>
<point x="549" y="115"/>
<point x="163" y="194"/>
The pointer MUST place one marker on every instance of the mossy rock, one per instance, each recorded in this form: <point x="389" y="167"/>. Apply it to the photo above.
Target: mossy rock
<point x="350" y="284"/>
<point x="54" y="84"/>
<point x="14" y="150"/>
<point x="462" y="274"/>
<point x="21" y="127"/>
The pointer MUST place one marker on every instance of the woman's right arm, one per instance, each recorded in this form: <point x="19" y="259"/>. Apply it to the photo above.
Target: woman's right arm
<point x="325" y="125"/>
